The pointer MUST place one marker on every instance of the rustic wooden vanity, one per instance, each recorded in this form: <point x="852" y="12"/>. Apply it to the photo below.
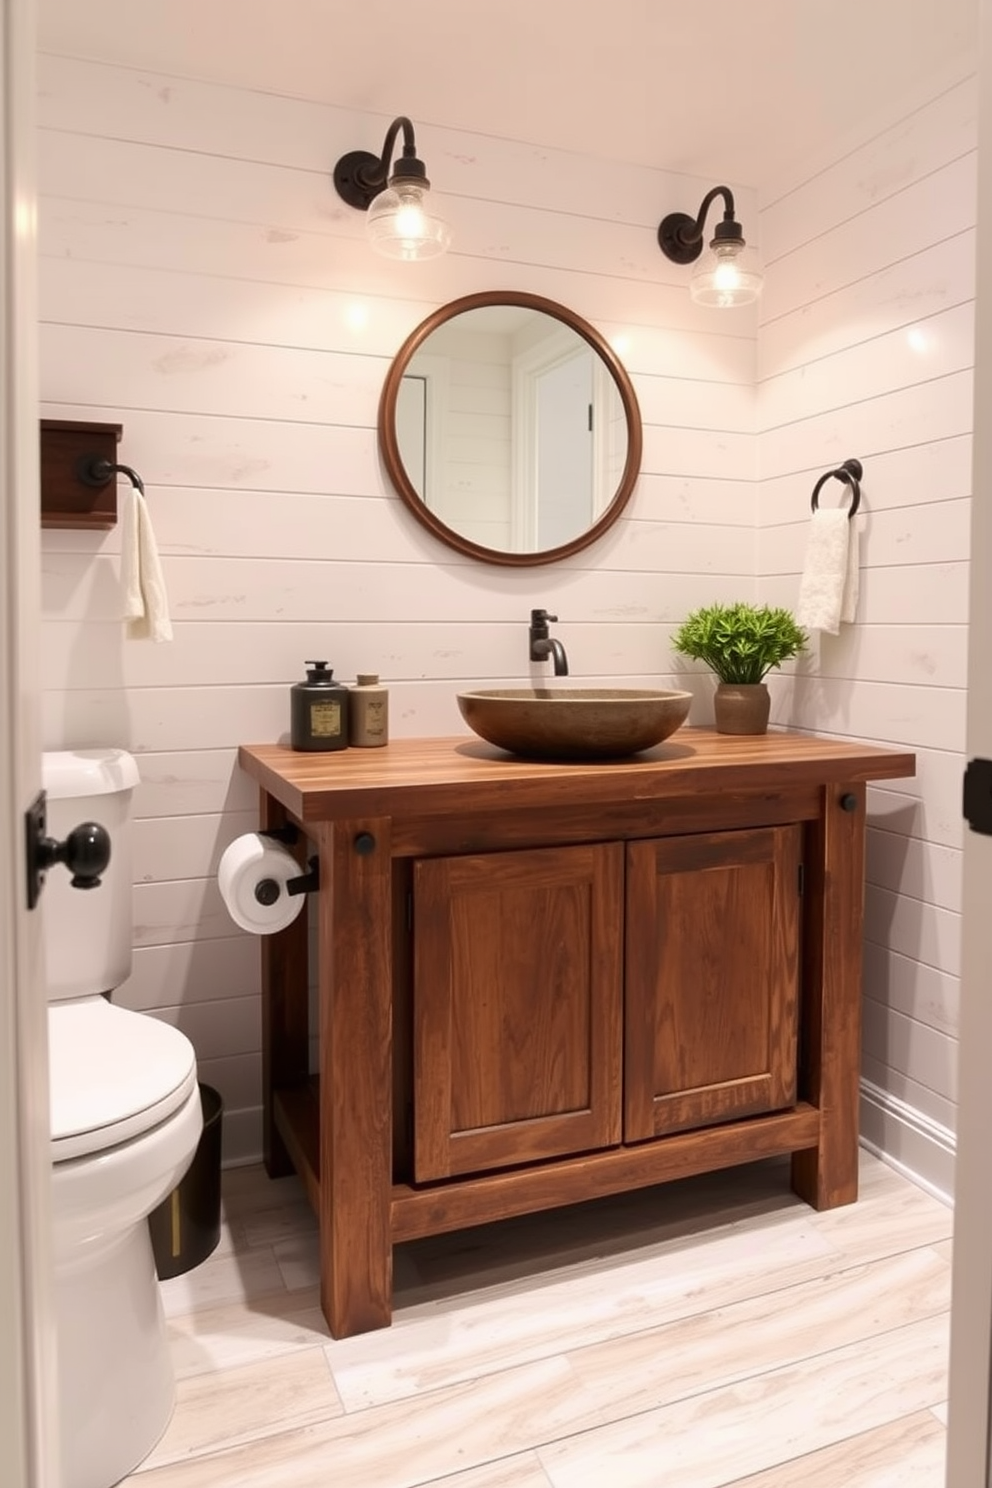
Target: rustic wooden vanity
<point x="543" y="983"/>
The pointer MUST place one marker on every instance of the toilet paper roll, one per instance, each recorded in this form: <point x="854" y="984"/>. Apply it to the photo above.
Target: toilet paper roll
<point x="252" y="877"/>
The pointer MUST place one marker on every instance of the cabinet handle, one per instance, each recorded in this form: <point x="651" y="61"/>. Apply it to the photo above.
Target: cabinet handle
<point x="364" y="844"/>
<point x="849" y="802"/>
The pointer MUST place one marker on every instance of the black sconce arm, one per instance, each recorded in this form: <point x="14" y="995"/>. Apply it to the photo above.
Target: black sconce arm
<point x="681" y="236"/>
<point x="359" y="176"/>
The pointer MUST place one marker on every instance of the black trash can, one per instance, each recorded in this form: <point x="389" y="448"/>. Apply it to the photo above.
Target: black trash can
<point x="185" y="1228"/>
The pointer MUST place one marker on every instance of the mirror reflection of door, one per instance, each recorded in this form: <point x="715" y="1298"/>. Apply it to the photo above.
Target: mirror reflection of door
<point x="411" y="426"/>
<point x="553" y="418"/>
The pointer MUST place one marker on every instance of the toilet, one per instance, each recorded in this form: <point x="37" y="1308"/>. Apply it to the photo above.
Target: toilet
<point x="125" y="1122"/>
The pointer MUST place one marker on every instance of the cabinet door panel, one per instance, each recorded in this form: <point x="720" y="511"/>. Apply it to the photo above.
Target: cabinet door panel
<point x="518" y="960"/>
<point x="712" y="978"/>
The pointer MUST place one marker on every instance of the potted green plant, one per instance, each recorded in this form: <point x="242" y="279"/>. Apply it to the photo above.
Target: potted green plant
<point x="741" y="643"/>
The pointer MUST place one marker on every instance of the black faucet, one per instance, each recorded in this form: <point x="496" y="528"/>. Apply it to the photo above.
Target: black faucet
<point x="543" y="645"/>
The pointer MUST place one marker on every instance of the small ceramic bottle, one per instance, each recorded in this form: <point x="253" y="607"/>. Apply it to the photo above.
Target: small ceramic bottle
<point x="319" y="710"/>
<point x="369" y="725"/>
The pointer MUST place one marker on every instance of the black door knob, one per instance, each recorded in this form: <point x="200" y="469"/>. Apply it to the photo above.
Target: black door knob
<point x="849" y="802"/>
<point x="85" y="852"/>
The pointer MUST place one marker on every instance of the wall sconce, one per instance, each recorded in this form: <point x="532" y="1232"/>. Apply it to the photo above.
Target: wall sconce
<point x="401" y="223"/>
<point x="722" y="276"/>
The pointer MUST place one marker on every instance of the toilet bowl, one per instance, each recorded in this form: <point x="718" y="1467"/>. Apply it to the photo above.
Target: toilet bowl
<point x="125" y="1122"/>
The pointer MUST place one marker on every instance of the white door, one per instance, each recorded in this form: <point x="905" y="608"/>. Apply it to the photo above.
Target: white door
<point x="968" y="1446"/>
<point x="28" y="1439"/>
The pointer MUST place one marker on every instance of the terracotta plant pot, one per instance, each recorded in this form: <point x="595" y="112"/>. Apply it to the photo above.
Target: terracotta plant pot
<point x="741" y="708"/>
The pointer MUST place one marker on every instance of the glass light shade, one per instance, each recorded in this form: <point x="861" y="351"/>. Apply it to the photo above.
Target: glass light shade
<point x="402" y="224"/>
<point x="726" y="275"/>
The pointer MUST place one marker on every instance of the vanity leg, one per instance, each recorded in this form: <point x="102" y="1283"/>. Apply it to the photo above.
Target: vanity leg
<point x="827" y="1175"/>
<point x="285" y="1014"/>
<point x="355" y="975"/>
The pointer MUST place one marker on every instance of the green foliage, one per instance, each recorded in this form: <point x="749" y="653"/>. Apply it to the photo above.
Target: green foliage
<point x="740" y="642"/>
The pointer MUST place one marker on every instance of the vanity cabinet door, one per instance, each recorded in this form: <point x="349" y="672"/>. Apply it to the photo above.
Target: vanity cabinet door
<point x="712" y="978"/>
<point x="518" y="964"/>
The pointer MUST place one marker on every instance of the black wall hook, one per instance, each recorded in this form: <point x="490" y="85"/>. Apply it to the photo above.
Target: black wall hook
<point x="97" y="472"/>
<point x="850" y="473"/>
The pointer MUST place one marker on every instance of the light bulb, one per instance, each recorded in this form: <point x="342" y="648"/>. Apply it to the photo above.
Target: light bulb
<point x="724" y="277"/>
<point x="401" y="223"/>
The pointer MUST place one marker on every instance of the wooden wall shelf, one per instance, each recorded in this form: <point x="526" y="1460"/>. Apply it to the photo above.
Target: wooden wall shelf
<point x="67" y="500"/>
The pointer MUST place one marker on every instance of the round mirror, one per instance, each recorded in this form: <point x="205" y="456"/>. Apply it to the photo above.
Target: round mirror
<point x="510" y="428"/>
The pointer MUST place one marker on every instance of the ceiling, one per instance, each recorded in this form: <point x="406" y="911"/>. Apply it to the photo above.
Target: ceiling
<point x="738" y="90"/>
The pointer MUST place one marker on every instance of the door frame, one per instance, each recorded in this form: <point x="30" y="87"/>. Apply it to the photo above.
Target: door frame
<point x="970" y="1383"/>
<point x="27" y="1308"/>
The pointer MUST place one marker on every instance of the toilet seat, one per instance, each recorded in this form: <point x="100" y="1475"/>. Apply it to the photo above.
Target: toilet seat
<point x="114" y="1074"/>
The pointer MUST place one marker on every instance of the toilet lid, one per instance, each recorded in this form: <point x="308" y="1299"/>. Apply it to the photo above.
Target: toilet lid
<point x="113" y="1075"/>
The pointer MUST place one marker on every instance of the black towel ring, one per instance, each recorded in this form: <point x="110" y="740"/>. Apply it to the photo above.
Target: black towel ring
<point x="850" y="473"/>
<point x="97" y="472"/>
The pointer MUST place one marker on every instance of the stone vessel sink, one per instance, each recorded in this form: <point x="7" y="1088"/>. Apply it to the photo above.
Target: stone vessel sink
<point x="574" y="723"/>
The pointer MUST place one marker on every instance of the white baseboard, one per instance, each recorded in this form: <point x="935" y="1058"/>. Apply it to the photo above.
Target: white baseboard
<point x="909" y="1141"/>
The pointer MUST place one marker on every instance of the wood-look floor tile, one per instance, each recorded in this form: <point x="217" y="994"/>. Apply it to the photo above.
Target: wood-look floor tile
<point x="512" y="1472"/>
<point x="404" y="1444"/>
<point x="220" y="1279"/>
<point x="907" y="1453"/>
<point x="715" y="1438"/>
<point x="429" y="1346"/>
<point x="566" y="1348"/>
<point x="890" y="1211"/>
<point x="940" y="1413"/>
<point x="288" y="1221"/>
<point x="727" y="1343"/>
<point x="242" y="1332"/>
<point x="410" y="1441"/>
<point x="230" y="1406"/>
<point x="945" y="1248"/>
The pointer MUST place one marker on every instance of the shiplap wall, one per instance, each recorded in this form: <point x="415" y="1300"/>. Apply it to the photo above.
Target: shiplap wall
<point x="866" y="348"/>
<point x="201" y="284"/>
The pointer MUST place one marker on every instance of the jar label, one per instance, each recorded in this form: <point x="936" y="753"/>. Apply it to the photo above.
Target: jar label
<point x="325" y="720"/>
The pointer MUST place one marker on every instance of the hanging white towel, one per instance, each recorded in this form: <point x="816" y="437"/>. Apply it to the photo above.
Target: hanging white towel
<point x="146" y="604"/>
<point x="828" y="590"/>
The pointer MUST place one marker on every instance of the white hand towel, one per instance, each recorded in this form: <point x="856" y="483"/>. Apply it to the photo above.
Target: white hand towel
<point x="146" y="604"/>
<point x="828" y="590"/>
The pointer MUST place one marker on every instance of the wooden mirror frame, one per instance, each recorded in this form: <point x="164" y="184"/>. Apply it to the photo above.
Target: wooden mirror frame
<point x="408" y="493"/>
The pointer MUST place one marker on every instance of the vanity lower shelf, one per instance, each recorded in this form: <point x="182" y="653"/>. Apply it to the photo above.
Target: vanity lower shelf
<point x="462" y="1202"/>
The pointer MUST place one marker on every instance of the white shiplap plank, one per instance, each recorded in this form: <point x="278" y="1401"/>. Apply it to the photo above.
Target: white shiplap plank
<point x="179" y="847"/>
<point x="935" y="347"/>
<point x="939" y="591"/>
<point x="193" y="971"/>
<point x="911" y="987"/>
<point x="914" y="147"/>
<point x="926" y="932"/>
<point x="165" y="301"/>
<point x="941" y="409"/>
<point x="903" y="293"/>
<point x="926" y="211"/>
<point x="906" y="1045"/>
<point x="907" y="865"/>
<point x="188" y="781"/>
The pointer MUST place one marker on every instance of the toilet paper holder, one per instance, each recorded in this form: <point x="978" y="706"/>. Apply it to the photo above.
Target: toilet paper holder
<point x="267" y="890"/>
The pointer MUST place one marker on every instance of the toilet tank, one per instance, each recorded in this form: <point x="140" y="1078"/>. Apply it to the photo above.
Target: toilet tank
<point x="87" y="932"/>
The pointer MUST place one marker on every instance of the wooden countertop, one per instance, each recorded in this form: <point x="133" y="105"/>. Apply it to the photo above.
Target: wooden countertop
<point x="439" y="776"/>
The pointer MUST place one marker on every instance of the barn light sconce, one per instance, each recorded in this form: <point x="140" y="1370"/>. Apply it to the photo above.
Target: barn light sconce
<point x="724" y="276"/>
<point x="402" y="222"/>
